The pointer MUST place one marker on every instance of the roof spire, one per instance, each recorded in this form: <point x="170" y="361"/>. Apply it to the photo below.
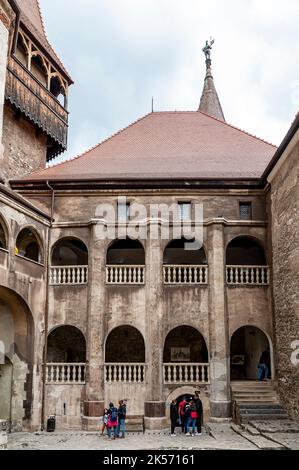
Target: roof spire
<point x="209" y="102"/>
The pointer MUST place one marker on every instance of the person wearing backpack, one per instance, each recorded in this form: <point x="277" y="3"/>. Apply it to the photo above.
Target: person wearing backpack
<point x="192" y="419"/>
<point x="112" y="421"/>
<point x="122" y="412"/>
<point x="187" y="416"/>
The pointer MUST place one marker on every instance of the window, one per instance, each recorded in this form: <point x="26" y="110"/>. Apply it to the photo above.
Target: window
<point x="184" y="210"/>
<point x="245" y="210"/>
<point x="123" y="212"/>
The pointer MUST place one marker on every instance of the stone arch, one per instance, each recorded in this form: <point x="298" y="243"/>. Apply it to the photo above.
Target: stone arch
<point x="29" y="244"/>
<point x="69" y="251"/>
<point x="4" y="234"/>
<point x="246" y="250"/>
<point x="190" y="390"/>
<point x="66" y="344"/>
<point x="125" y="344"/>
<point x="17" y="335"/>
<point x="247" y="343"/>
<point x="125" y="252"/>
<point x="175" y="253"/>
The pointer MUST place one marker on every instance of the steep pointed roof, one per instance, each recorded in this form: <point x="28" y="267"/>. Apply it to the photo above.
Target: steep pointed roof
<point x="168" y="145"/>
<point x="31" y="18"/>
<point x="209" y="102"/>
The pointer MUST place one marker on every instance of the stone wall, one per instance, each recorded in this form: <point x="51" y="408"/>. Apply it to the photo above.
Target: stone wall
<point x="25" y="147"/>
<point x="285" y="240"/>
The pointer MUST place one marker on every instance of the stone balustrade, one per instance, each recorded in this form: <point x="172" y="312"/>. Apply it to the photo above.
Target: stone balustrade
<point x="125" y="373"/>
<point x="189" y="373"/>
<point x="68" y="275"/>
<point x="129" y="274"/>
<point x="185" y="274"/>
<point x="248" y="275"/>
<point x="65" y="374"/>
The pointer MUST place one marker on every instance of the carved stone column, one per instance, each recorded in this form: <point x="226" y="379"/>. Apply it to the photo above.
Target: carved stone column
<point x="220" y="402"/>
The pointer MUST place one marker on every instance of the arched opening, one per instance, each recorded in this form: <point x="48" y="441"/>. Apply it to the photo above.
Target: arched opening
<point x="70" y="252"/>
<point x="27" y="246"/>
<point x="17" y="346"/>
<point x="125" y="344"/>
<point x="247" y="346"/>
<point x="185" y="356"/>
<point x="3" y="241"/>
<point x="176" y="253"/>
<point x="243" y="251"/>
<point x="57" y="90"/>
<point x="126" y="252"/>
<point x="66" y="344"/>
<point x="39" y="69"/>
<point x="185" y="344"/>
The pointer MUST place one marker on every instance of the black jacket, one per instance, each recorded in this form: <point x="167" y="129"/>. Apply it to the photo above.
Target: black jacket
<point x="173" y="412"/>
<point x="199" y="407"/>
<point x="122" y="411"/>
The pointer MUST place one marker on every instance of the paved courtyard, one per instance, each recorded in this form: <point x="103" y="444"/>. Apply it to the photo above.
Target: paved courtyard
<point x="215" y="436"/>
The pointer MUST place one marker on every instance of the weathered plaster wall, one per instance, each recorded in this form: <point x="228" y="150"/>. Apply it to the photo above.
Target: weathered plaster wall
<point x="3" y="61"/>
<point x="285" y="239"/>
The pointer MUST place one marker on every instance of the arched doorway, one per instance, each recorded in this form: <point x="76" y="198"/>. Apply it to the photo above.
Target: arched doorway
<point x="16" y="371"/>
<point x="28" y="246"/>
<point x="126" y="252"/>
<point x="246" y="347"/>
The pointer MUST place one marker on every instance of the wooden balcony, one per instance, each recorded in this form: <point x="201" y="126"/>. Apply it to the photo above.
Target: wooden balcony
<point x="28" y="95"/>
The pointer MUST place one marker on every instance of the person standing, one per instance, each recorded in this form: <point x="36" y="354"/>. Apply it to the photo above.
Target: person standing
<point x="187" y="416"/>
<point x="122" y="413"/>
<point x="182" y="417"/>
<point x="112" y="421"/>
<point x="192" y="419"/>
<point x="105" y="421"/>
<point x="199" y="409"/>
<point x="173" y="416"/>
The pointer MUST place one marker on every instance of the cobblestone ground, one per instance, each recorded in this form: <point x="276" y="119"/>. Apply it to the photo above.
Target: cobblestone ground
<point x="215" y="436"/>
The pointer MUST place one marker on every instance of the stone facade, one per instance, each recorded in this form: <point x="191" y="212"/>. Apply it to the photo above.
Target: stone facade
<point x="285" y="244"/>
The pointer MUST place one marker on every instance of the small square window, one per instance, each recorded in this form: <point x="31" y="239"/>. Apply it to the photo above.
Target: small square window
<point x="185" y="210"/>
<point x="245" y="209"/>
<point x="123" y="212"/>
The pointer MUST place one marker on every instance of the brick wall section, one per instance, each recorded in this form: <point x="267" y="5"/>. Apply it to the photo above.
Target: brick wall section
<point x="24" y="149"/>
<point x="285" y="234"/>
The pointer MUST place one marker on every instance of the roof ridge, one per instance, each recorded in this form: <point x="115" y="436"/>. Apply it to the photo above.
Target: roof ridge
<point x="96" y="145"/>
<point x="239" y="129"/>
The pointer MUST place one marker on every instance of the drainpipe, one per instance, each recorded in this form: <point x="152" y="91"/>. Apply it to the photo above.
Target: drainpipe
<point x="43" y="416"/>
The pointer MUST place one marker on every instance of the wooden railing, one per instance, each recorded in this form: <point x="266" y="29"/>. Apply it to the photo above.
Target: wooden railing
<point x="185" y="274"/>
<point x="179" y="373"/>
<point x="248" y="275"/>
<point x="68" y="275"/>
<point x="125" y="373"/>
<point x="65" y="374"/>
<point x="128" y="274"/>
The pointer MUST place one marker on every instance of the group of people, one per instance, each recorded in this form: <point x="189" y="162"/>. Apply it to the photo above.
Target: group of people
<point x="187" y="414"/>
<point x="114" y="420"/>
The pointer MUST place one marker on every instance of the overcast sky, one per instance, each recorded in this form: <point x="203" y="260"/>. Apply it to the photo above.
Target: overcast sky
<point x="120" y="53"/>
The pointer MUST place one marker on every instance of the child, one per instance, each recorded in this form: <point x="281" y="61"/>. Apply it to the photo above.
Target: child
<point x="105" y="421"/>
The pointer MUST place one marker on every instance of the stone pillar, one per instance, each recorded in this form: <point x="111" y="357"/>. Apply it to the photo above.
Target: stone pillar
<point x="220" y="402"/>
<point x="154" y="407"/>
<point x="94" y="390"/>
<point x="3" y="434"/>
<point x="3" y="62"/>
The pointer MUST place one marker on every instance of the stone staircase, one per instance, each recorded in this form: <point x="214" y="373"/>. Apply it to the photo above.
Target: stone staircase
<point x="253" y="400"/>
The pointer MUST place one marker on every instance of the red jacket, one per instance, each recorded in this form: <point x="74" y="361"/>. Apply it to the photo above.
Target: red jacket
<point x="182" y="408"/>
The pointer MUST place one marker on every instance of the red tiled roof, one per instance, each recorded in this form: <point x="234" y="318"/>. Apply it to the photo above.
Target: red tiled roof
<point x="169" y="145"/>
<point x="31" y="17"/>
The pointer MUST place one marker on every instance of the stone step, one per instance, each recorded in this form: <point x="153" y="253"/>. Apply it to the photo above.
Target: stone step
<point x="259" y="441"/>
<point x="263" y="411"/>
<point x="263" y="417"/>
<point x="260" y="406"/>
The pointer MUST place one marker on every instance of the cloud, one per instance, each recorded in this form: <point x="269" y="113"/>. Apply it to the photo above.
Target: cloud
<point x="122" y="52"/>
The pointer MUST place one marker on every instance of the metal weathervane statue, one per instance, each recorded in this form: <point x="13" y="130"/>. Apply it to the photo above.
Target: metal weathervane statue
<point x="207" y="49"/>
